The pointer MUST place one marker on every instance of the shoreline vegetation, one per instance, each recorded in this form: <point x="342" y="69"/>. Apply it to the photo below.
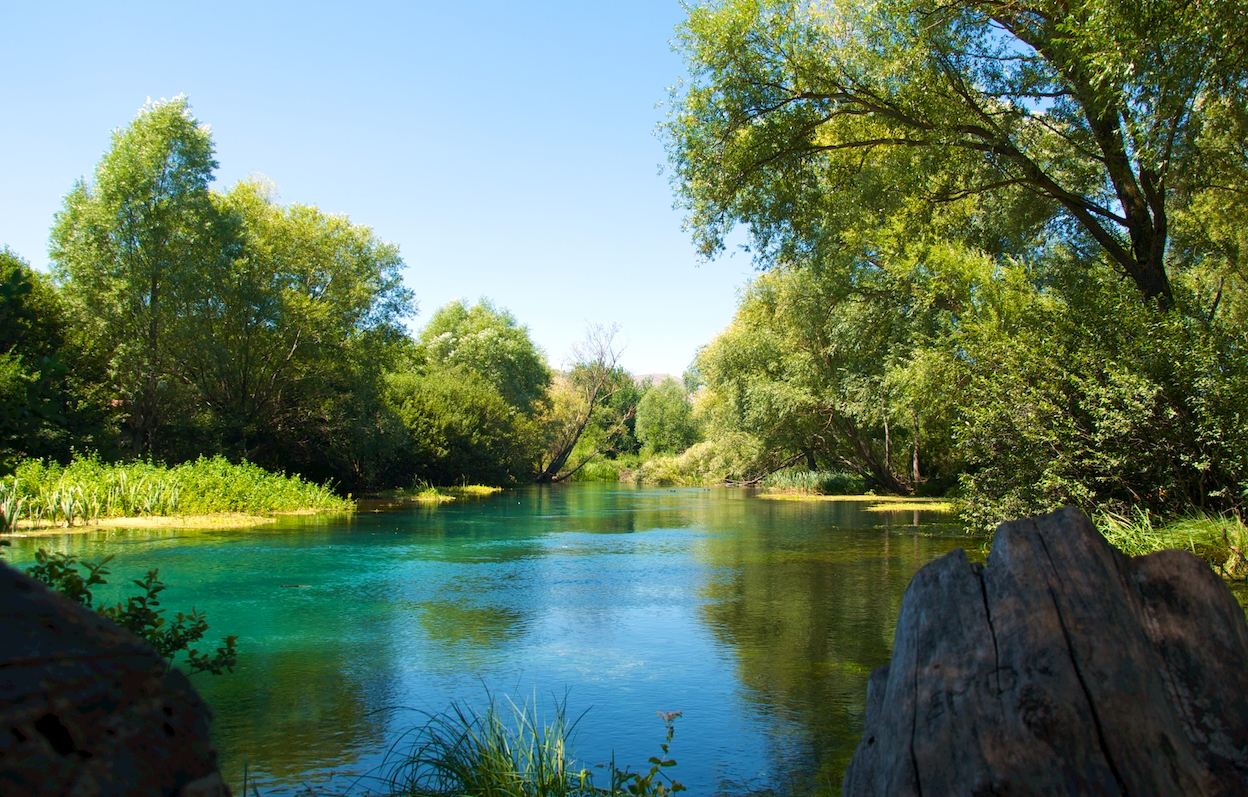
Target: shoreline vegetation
<point x="425" y="493"/>
<point x="207" y="492"/>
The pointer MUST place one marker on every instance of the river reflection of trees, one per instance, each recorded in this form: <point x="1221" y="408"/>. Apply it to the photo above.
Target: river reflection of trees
<point x="412" y="606"/>
<point x="291" y="713"/>
<point x="806" y="596"/>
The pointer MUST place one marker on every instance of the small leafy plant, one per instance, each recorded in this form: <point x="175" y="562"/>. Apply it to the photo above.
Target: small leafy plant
<point x="139" y="614"/>
<point x="656" y="782"/>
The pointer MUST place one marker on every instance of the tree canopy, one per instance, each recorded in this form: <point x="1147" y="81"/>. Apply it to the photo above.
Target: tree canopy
<point x="128" y="247"/>
<point x="1021" y="225"/>
<point x="665" y="423"/>
<point x="1087" y="122"/>
<point x="490" y="342"/>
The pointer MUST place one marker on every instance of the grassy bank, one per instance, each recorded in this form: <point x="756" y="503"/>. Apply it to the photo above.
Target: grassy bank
<point x="39" y="494"/>
<point x="1220" y="541"/>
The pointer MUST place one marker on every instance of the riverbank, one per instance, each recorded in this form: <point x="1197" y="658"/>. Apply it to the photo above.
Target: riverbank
<point x="220" y="520"/>
<point x="1220" y="541"/>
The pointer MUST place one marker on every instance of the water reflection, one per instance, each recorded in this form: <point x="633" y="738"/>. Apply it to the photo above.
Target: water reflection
<point x="808" y="617"/>
<point x="759" y="619"/>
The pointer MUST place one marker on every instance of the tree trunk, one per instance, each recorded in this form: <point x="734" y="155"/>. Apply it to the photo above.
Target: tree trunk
<point x="1062" y="667"/>
<point x="914" y="470"/>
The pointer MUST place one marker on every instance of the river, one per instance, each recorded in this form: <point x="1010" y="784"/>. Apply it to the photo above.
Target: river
<point x="758" y="619"/>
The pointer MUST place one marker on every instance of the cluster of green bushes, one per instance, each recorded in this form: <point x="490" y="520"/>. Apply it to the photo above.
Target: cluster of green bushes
<point x="89" y="489"/>
<point x="180" y="322"/>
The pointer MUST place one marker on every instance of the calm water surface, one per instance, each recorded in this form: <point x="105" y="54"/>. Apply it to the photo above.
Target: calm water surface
<point x="758" y="619"/>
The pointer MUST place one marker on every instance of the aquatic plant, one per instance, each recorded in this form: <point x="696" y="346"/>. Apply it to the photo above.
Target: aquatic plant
<point x="424" y="492"/>
<point x="141" y="614"/>
<point x="510" y="751"/>
<point x="88" y="489"/>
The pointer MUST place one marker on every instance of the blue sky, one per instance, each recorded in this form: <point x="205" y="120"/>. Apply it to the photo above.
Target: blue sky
<point x="509" y="149"/>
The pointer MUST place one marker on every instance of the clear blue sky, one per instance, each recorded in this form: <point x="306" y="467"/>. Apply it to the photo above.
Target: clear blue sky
<point x="507" y="148"/>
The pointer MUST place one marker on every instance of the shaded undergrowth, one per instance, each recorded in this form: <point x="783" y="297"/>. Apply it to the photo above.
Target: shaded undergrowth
<point x="814" y="482"/>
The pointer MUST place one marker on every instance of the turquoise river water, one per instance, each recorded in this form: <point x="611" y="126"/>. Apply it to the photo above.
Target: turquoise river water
<point x="758" y="619"/>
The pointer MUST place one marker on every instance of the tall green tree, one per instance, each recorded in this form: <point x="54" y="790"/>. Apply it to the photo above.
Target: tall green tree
<point x="128" y="246"/>
<point x="469" y="396"/>
<point x="461" y="429"/>
<point x="978" y="181"/>
<point x="33" y="403"/>
<point x="665" y="423"/>
<point x="1085" y="116"/>
<point x="833" y="380"/>
<point x="490" y="342"/>
<point x="285" y="341"/>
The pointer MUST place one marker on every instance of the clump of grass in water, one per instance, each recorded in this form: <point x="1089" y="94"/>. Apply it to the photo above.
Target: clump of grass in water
<point x="510" y="752"/>
<point x="1220" y="541"/>
<point x="425" y="492"/>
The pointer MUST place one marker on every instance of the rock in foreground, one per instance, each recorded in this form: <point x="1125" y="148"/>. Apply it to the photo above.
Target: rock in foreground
<point x="87" y="708"/>
<point x="1061" y="667"/>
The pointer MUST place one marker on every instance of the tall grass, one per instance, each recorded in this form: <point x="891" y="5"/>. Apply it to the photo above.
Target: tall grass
<point x="1221" y="541"/>
<point x="88" y="489"/>
<point x="815" y="482"/>
<point x="510" y="751"/>
<point x="501" y="752"/>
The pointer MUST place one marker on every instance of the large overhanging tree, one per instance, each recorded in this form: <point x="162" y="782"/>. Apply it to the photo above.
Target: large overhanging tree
<point x="1088" y="113"/>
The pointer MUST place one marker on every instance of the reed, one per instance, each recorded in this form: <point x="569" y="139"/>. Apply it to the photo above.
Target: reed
<point x="1220" y="541"/>
<point x="509" y="750"/>
<point x="88" y="489"/>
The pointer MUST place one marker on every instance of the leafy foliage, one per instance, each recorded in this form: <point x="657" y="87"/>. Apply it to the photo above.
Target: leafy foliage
<point x="489" y="342"/>
<point x="665" y="422"/>
<point x="140" y="614"/>
<point x="948" y="200"/>
<point x="225" y="323"/>
<point x="461" y="428"/>
<point x="468" y="397"/>
<point x="128" y="248"/>
<point x="36" y="405"/>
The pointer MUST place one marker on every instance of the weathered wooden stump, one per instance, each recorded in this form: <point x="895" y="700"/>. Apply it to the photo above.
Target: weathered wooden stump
<point x="1061" y="667"/>
<point x="87" y="708"/>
